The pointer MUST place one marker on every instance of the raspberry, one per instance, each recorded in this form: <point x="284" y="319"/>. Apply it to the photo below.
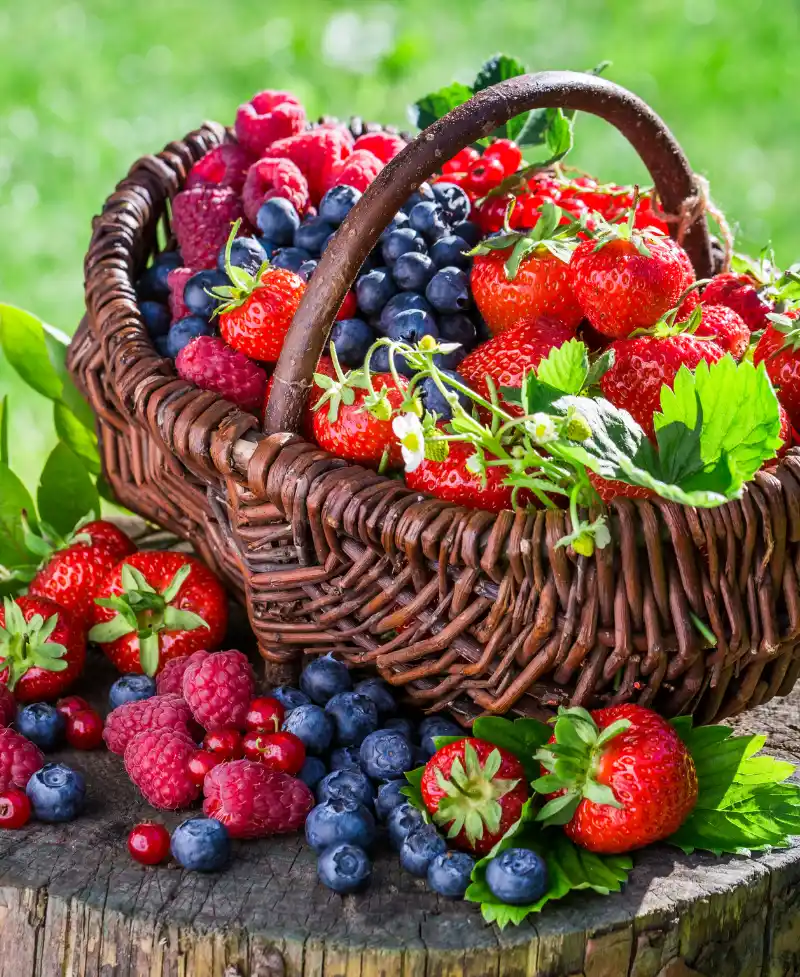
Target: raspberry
<point x="317" y="153"/>
<point x="384" y="145"/>
<point x="170" y="678"/>
<point x="19" y="760"/>
<point x="157" y="712"/>
<point x="270" y="178"/>
<point x="358" y="170"/>
<point x="8" y="707"/>
<point x="223" y="166"/>
<point x="157" y="761"/>
<point x="177" y="280"/>
<point x="267" y="117"/>
<point x="211" y="364"/>
<point x="219" y="689"/>
<point x="201" y="220"/>
<point x="253" y="801"/>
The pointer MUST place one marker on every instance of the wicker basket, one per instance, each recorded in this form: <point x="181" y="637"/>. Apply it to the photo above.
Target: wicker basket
<point x="468" y="611"/>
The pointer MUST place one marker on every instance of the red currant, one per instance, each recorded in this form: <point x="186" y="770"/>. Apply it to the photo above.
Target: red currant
<point x="70" y="705"/>
<point x="461" y="161"/>
<point x="490" y="214"/>
<point x="485" y="174"/>
<point x="280" y="751"/>
<point x="266" y="714"/>
<point x="148" y="843"/>
<point x="507" y="152"/>
<point x="15" y="808"/>
<point x="226" y="743"/>
<point x="200" y="763"/>
<point x="349" y="307"/>
<point x="84" y="730"/>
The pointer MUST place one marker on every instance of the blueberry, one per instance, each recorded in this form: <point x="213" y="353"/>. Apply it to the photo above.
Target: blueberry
<point x="312" y="235"/>
<point x="448" y="252"/>
<point x="153" y="285"/>
<point x="160" y="343"/>
<point x="427" y="219"/>
<point x="401" y="241"/>
<point x="195" y="293"/>
<point x="247" y="253"/>
<point x="410" y="326"/>
<point x="341" y="820"/>
<point x="423" y="192"/>
<point x="312" y="726"/>
<point x="201" y="845"/>
<point x="386" y="754"/>
<point x="42" y="724"/>
<point x="380" y="693"/>
<point x="389" y="797"/>
<point x="412" y="271"/>
<point x="453" y="201"/>
<point x="374" y="290"/>
<point x="307" y="269"/>
<point x="379" y="363"/>
<point x="291" y="258"/>
<point x="278" y="221"/>
<point x="312" y="771"/>
<point x="349" y="784"/>
<point x="420" y="848"/>
<point x="402" y="725"/>
<point x="434" y="400"/>
<point x="353" y="715"/>
<point x="184" y="331"/>
<point x="518" y="876"/>
<point x="450" y="873"/>
<point x="344" y="868"/>
<point x="402" y="303"/>
<point x="351" y="339"/>
<point x="337" y="203"/>
<point x="435" y="726"/>
<point x="56" y="793"/>
<point x="289" y="697"/>
<point x="401" y="822"/>
<point x="448" y="290"/>
<point x="399" y="220"/>
<point x="458" y="329"/>
<point x="270" y="247"/>
<point x="156" y="317"/>
<point x="131" y="688"/>
<point x="345" y="758"/>
<point x="323" y="678"/>
<point x="451" y="360"/>
<point x="469" y="231"/>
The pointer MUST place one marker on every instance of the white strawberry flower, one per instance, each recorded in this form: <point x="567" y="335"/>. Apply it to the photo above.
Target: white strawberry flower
<point x="542" y="428"/>
<point x="409" y="433"/>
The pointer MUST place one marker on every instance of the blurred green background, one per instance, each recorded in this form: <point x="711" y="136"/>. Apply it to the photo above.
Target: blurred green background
<point x="86" y="87"/>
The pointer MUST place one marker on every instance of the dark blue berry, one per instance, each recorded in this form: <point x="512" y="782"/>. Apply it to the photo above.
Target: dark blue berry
<point x="184" y="331"/>
<point x="402" y="725"/>
<point x="168" y="259"/>
<point x="312" y="771"/>
<point x="423" y="192"/>
<point x="402" y="303"/>
<point x="353" y="715"/>
<point x="42" y="724"/>
<point x="434" y="400"/>
<point x="289" y="697"/>
<point x="412" y="271"/>
<point x="337" y="203"/>
<point x="323" y="678"/>
<point x="247" y="253"/>
<point x="386" y="754"/>
<point x="307" y="269"/>
<point x="450" y="873"/>
<point x="399" y="220"/>
<point x="401" y="241"/>
<point x="57" y="793"/>
<point x="448" y="252"/>
<point x="401" y="822"/>
<point x="469" y="231"/>
<point x="278" y="221"/>
<point x="352" y="784"/>
<point x="153" y="285"/>
<point x="312" y="235"/>
<point x="379" y="362"/>
<point x="345" y="758"/>
<point x="344" y="868"/>
<point x="160" y="343"/>
<point x="351" y="339"/>
<point x="131" y="688"/>
<point x="374" y="290"/>
<point x="410" y="326"/>
<point x="518" y="876"/>
<point x="427" y="219"/>
<point x="156" y="317"/>
<point x="380" y="693"/>
<point x="201" y="845"/>
<point x="389" y="797"/>
<point x="291" y="258"/>
<point x="270" y="247"/>
<point x="453" y="201"/>
<point x="451" y="360"/>
<point x="458" y="329"/>
<point x="420" y="848"/>
<point x="435" y="726"/>
<point x="312" y="726"/>
<point x="448" y="290"/>
<point x="195" y="293"/>
<point x="339" y="821"/>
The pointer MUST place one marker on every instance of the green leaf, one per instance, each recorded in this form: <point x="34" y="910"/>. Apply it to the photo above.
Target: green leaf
<point x="565" y="367"/>
<point x="175" y="584"/>
<point x="599" y="368"/>
<point x="177" y="620"/>
<point x="80" y="439"/>
<point x="14" y="500"/>
<point x="109" y="631"/>
<point x="522" y="737"/>
<point x="66" y="492"/>
<point x="22" y="338"/>
<point x="4" y="430"/>
<point x="148" y="653"/>
<point x="558" y="135"/>
<point x="413" y="790"/>
<point x="498" y="68"/>
<point x="431" y="107"/>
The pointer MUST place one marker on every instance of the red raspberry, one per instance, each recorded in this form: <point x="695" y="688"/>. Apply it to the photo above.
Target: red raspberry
<point x="157" y="761"/>
<point x="158" y="712"/>
<point x="19" y="759"/>
<point x="219" y="689"/>
<point x="177" y="279"/>
<point x="170" y="678"/>
<point x="201" y="220"/>
<point x="253" y="801"/>
<point x="8" y="707"/>
<point x="211" y="364"/>
<point x="358" y="170"/>
<point x="317" y="152"/>
<point x="270" y="178"/>
<point x="268" y="116"/>
<point x="223" y="166"/>
<point x="384" y="145"/>
<point x="739" y="292"/>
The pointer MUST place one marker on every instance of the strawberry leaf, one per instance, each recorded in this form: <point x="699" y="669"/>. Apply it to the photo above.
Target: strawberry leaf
<point x="413" y="790"/>
<point x="429" y="108"/>
<point x="522" y="738"/>
<point x="566" y="367"/>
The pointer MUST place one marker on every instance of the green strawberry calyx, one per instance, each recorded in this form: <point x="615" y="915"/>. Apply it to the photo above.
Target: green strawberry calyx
<point x="243" y="284"/>
<point x="668" y="325"/>
<point x="572" y="762"/>
<point x="144" y="611"/>
<point x="548" y="234"/>
<point x="789" y="328"/>
<point x="624" y="230"/>
<point x="472" y="795"/>
<point x="26" y="644"/>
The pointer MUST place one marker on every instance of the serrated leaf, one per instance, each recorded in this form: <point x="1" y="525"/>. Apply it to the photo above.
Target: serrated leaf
<point x="431" y="107"/>
<point x="565" y="367"/>
<point x="522" y="737"/>
<point x="66" y="492"/>
<point x="413" y="789"/>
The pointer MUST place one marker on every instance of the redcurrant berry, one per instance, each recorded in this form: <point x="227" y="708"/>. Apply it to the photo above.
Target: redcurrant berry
<point x="15" y="808"/>
<point x="200" y="763"/>
<point x="266" y="714"/>
<point x="485" y="174"/>
<point x="84" y="730"/>
<point x="70" y="705"/>
<point x="227" y="743"/>
<point x="461" y="161"/>
<point x="349" y="307"/>
<point x="507" y="152"/>
<point x="280" y="751"/>
<point x="148" y="843"/>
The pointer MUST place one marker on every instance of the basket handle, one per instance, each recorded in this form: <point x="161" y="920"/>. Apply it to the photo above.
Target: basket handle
<point x="476" y="118"/>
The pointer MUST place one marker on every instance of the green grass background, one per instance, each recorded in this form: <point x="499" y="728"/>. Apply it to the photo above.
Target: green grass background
<point x="86" y="87"/>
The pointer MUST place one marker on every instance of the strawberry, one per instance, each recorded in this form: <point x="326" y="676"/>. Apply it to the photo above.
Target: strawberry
<point x="778" y="350"/>
<point x="42" y="648"/>
<point x="740" y="293"/>
<point x="723" y="325"/>
<point x="156" y="606"/>
<point x="610" y="488"/>
<point x="101" y="532"/>
<point x="259" y="308"/>
<point x="617" y="778"/>
<point x="476" y="790"/>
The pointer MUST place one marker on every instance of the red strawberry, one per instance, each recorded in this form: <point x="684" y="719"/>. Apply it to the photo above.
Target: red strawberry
<point x="325" y="368"/>
<point x="317" y="153"/>
<point x="155" y="606"/>
<point x="642" y="366"/>
<point x="610" y="488"/>
<point x="224" y="166"/>
<point x="778" y="349"/>
<point x="624" y="778"/>
<point x="723" y="325"/>
<point x="267" y="117"/>
<point x="101" y="532"/>
<point x="42" y="648"/>
<point x="476" y="790"/>
<point x="740" y="293"/>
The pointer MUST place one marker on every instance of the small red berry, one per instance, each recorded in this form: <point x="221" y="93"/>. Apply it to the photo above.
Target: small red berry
<point x="148" y="843"/>
<point x="461" y="161"/>
<point x="84" y="730"/>
<point x="15" y="808"/>
<point x="278" y="751"/>
<point x="70" y="705"/>
<point x="507" y="152"/>
<point x="266" y="714"/>
<point x="485" y="174"/>
<point x="349" y="307"/>
<point x="227" y="743"/>
<point x="201" y="763"/>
